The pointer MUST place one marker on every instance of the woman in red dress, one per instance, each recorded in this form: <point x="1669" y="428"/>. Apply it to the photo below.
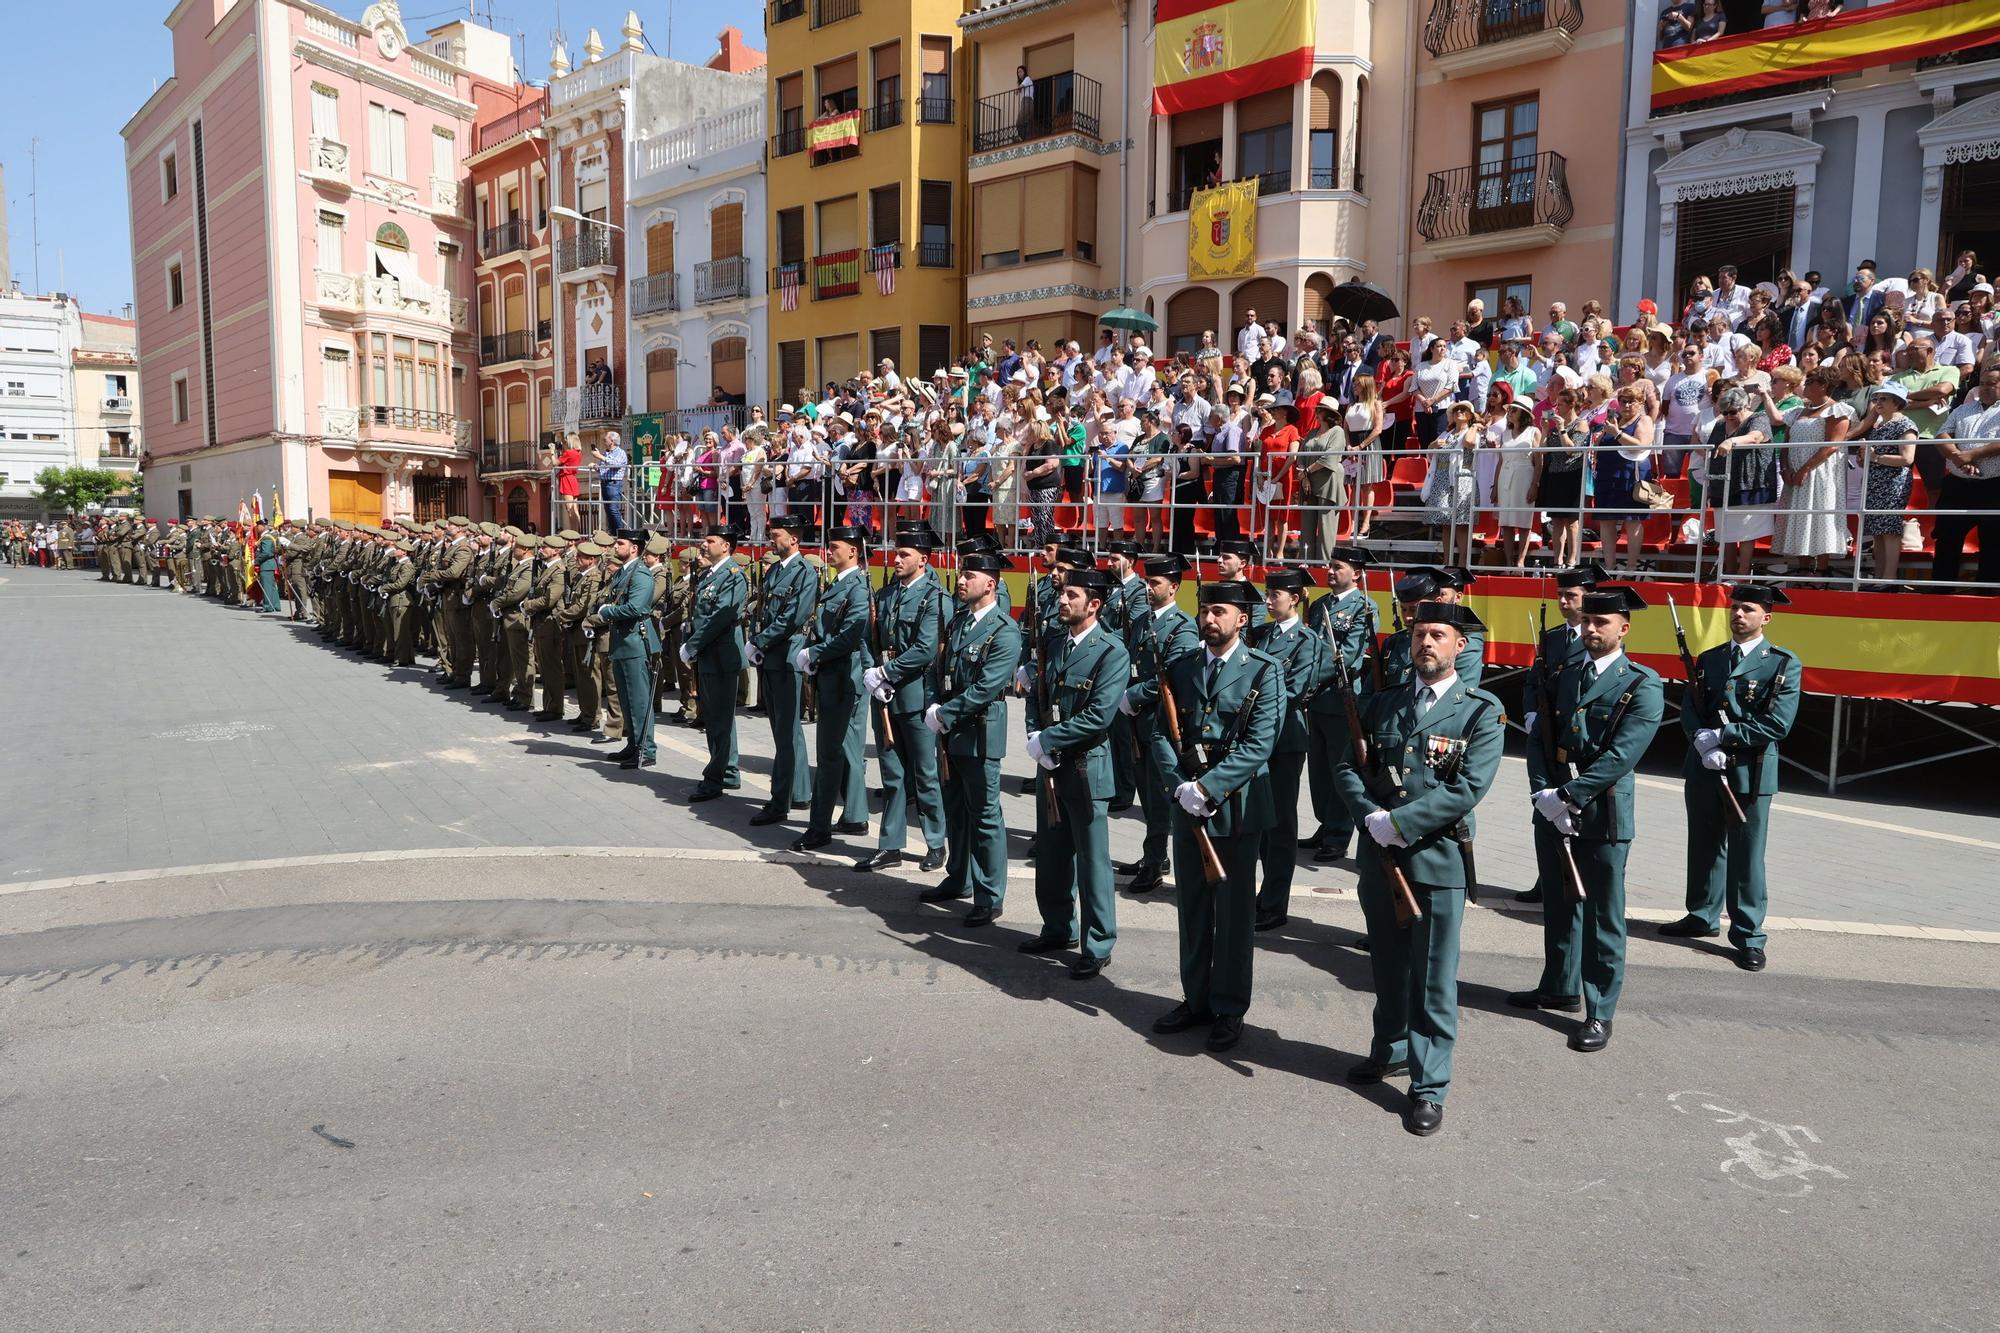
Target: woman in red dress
<point x="1278" y="443"/>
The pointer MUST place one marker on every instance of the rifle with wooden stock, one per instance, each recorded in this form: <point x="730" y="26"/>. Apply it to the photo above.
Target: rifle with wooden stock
<point x="1170" y="718"/>
<point x="1699" y="700"/>
<point x="883" y="655"/>
<point x="1402" y="896"/>
<point x="1553" y="755"/>
<point x="1374" y="648"/>
<point x="1045" y="710"/>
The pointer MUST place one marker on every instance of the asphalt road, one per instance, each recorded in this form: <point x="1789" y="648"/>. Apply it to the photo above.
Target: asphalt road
<point x="705" y="1090"/>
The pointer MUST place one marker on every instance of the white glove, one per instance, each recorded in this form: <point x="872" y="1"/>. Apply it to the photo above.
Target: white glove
<point x="802" y="661"/>
<point x="1528" y="722"/>
<point x="1707" y="739"/>
<point x="756" y="655"/>
<point x="1125" y="705"/>
<point x="1194" y="800"/>
<point x="1565" y="822"/>
<point x="1035" y="746"/>
<point x="882" y="693"/>
<point x="871" y="680"/>
<point x="1549" y="802"/>
<point x="465" y="599"/>
<point x="1717" y="759"/>
<point x="602" y="611"/>
<point x="687" y="655"/>
<point x="933" y="721"/>
<point x="1021" y="679"/>
<point x="1381" y="826"/>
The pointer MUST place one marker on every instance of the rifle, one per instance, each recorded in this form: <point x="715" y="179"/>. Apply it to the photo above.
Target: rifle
<point x="944" y="651"/>
<point x="884" y="655"/>
<point x="1699" y="698"/>
<point x="1170" y="717"/>
<point x="1046" y="710"/>
<point x="1401" y="896"/>
<point x="1374" y="648"/>
<point x="1395" y="611"/>
<point x="1554" y="756"/>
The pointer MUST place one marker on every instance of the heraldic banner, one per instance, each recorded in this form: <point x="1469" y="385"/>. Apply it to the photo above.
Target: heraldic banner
<point x="1222" y="232"/>
<point x="1207" y="52"/>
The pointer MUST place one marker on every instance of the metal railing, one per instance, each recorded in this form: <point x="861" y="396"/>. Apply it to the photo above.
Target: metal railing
<point x="885" y="115"/>
<point x="725" y="279"/>
<point x="591" y="247"/>
<point x="788" y="141"/>
<point x="655" y="292"/>
<point x="504" y="239"/>
<point x="934" y="110"/>
<point x="1063" y="103"/>
<point x="1524" y="191"/>
<point x="495" y="348"/>
<point x="589" y="402"/>
<point x="1461" y="25"/>
<point x="933" y="254"/>
<point x="512" y="456"/>
<point x="408" y="418"/>
<point x="833" y="11"/>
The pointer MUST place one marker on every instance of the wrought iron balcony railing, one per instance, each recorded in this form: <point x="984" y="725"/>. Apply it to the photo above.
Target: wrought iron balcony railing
<point x="725" y="279"/>
<point x="655" y="292"/>
<point x="1064" y="103"/>
<point x="1462" y="25"/>
<point x="1489" y="197"/>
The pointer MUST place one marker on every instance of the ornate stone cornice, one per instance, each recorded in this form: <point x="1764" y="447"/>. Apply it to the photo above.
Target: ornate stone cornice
<point x="1044" y="294"/>
<point x="375" y="76"/>
<point x="1055" y="143"/>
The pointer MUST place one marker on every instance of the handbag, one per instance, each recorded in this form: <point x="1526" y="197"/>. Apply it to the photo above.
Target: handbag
<point x="1652" y="494"/>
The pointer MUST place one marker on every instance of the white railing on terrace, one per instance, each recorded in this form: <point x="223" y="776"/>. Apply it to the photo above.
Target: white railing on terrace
<point x="592" y="78"/>
<point x="691" y="143"/>
<point x="432" y="70"/>
<point x="333" y="30"/>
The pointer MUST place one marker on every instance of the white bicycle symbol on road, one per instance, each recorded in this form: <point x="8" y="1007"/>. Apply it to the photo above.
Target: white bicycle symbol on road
<point x="1774" y="1154"/>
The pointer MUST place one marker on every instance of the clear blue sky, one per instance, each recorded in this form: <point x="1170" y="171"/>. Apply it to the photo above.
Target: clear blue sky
<point x="78" y="71"/>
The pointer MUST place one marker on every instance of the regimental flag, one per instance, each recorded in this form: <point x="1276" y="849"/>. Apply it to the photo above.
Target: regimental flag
<point x="257" y="506"/>
<point x="277" y="509"/>
<point x="1222" y="232"/>
<point x="1207" y="52"/>
<point x="839" y="130"/>
<point x="1881" y="34"/>
<point x="882" y="259"/>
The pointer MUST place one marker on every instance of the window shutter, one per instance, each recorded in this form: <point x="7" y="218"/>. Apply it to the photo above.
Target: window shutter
<point x="1086" y="212"/>
<point x="725" y="232"/>
<point x="1319" y="105"/>
<point x="1264" y="111"/>
<point x="1045" y="224"/>
<point x="791" y="370"/>
<point x="885" y="207"/>
<point x="937" y="58"/>
<point x="936" y="204"/>
<point x="660" y="248"/>
<point x="1000" y="217"/>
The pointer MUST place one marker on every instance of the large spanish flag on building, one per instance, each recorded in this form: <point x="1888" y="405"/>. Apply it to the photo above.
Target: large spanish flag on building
<point x="1207" y="52"/>
<point x="1858" y="38"/>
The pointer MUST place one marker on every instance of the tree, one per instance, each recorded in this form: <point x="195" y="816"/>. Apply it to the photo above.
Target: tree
<point x="70" y="490"/>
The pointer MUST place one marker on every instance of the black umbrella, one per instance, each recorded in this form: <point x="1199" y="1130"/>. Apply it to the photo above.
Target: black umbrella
<point x="1355" y="300"/>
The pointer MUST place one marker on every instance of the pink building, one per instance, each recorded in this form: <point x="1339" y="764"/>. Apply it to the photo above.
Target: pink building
<point x="301" y="257"/>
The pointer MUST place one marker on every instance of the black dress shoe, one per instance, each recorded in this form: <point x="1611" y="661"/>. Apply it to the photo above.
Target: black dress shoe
<point x="1128" y="867"/>
<point x="1118" y="807"/>
<point x="1226" y="1031"/>
<point x="1750" y="958"/>
<point x="1690" y="927"/>
<point x="1528" y="896"/>
<point x="629" y="762"/>
<point x="810" y="841"/>
<point x="700" y="794"/>
<point x="1424" y="1117"/>
<point x="1593" y="1034"/>
<point x="766" y="817"/>
<point x="851" y="826"/>
<point x="649" y="761"/>
<point x="943" y="895"/>
<point x="1045" y="944"/>
<point x="1083" y="969"/>
<point x="933" y="861"/>
<point x="1271" y="922"/>
<point x="1372" y="1071"/>
<point x="1149" y="878"/>
<point x="1330" y="853"/>
<point x="1534" y="999"/>
<point x="1315" y="841"/>
<point x="627" y="753"/>
<point x="1180" y="1018"/>
<point x="605" y="740"/>
<point x="879" y="861"/>
<point x="982" y="916"/>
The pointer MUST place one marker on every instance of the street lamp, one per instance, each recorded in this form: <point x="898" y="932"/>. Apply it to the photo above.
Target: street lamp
<point x="572" y="215"/>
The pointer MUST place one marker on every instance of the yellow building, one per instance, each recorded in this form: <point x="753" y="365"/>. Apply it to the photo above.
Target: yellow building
<point x="867" y="183"/>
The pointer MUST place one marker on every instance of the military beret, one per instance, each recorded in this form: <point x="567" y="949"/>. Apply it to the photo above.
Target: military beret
<point x="489" y="529"/>
<point x="1229" y="592"/>
<point x="459" y="521"/>
<point x="657" y="544"/>
<point x="399" y="548"/>
<point x="1446" y="613"/>
<point x="570" y="535"/>
<point x="513" y="532"/>
<point x="1286" y="580"/>
<point x="527" y="541"/>
<point x="589" y="548"/>
<point x="1615" y="600"/>
<point x="603" y="537"/>
<point x="688" y="554"/>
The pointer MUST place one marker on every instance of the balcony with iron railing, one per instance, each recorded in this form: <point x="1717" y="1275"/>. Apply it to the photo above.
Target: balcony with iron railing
<point x="837" y="273"/>
<point x="1064" y="103"/>
<point x="511" y="456"/>
<point x="933" y="254"/>
<point x="1496" y="207"/>
<point x="589" y="402"/>
<point x="656" y="293"/>
<point x="497" y="348"/>
<point x="378" y="419"/>
<point x="935" y="109"/>
<point x="1471" y="36"/>
<point x="885" y="115"/>
<point x="591" y="247"/>
<point x="833" y="11"/>
<point x="789" y="141"/>
<point x="506" y="238"/>
<point x="725" y="279"/>
<point x="792" y="275"/>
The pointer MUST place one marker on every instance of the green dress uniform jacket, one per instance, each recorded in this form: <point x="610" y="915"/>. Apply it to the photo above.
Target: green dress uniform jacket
<point x="1303" y="657"/>
<point x="1726" y="859"/>
<point x="1126" y="606"/>
<point x="628" y="612"/>
<point x="1438" y="765"/>
<point x="1228" y="740"/>
<point x="582" y="591"/>
<point x="1155" y="641"/>
<point x="545" y="599"/>
<point x="837" y="655"/>
<point x="789" y="595"/>
<point x="714" y="636"/>
<point x="398" y="586"/>
<point x="910" y="619"/>
<point x="1347" y="626"/>
<point x="1583" y="946"/>
<point x="1073" y="857"/>
<point x="979" y="658"/>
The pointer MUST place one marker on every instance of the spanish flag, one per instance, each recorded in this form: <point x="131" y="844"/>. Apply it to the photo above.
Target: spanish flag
<point x="1854" y="39"/>
<point x="1207" y="52"/>
<point x="842" y="129"/>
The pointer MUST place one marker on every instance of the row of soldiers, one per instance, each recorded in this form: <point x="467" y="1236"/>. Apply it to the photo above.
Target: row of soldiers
<point x="1217" y="725"/>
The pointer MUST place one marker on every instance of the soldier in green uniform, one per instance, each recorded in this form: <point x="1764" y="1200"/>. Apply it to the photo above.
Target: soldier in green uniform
<point x="66" y="551"/>
<point x="1160" y="636"/>
<point x="1757" y="684"/>
<point x="545" y="635"/>
<point x="267" y="573"/>
<point x="712" y="643"/>
<point x="399" y="587"/>
<point x="788" y="597"/>
<point x="1077" y="674"/>
<point x="627" y="612"/>
<point x="582" y="591"/>
<point x="510" y="600"/>
<point x="969" y="719"/>
<point x="1302" y="657"/>
<point x="1346" y="624"/>
<point x="1233" y="559"/>
<point x="1445" y="584"/>
<point x="1231" y="703"/>
<point x="180" y="541"/>
<point x="1555" y="648"/>
<point x="1125" y="608"/>
<point x="907" y="626"/>
<point x="985" y="543"/>
<point x="449" y="589"/>
<point x="1607" y="708"/>
<point x="654" y="556"/>
<point x="835" y="654"/>
<point x="1432" y="750"/>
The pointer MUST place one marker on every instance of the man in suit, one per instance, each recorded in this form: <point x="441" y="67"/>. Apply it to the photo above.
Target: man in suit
<point x="790" y="594"/>
<point x="1302" y="657"/>
<point x="1865" y="301"/>
<point x="1758" y="682"/>
<point x="627" y="613"/>
<point x="1076" y="676"/>
<point x="1555" y="649"/>
<point x="712" y="643"/>
<point x="1607" y="708"/>
<point x="908" y="617"/>
<point x="1345" y="621"/>
<point x="1434" y="747"/>
<point x="1160" y="636"/>
<point x="835" y="654"/>
<point x="1799" y="315"/>
<point x="969" y="721"/>
<point x="1231" y="704"/>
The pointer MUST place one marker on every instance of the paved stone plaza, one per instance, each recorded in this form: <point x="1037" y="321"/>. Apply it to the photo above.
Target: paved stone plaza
<point x="603" y="1061"/>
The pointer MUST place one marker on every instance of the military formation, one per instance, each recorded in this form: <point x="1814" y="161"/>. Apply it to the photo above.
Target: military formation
<point x="1218" y="725"/>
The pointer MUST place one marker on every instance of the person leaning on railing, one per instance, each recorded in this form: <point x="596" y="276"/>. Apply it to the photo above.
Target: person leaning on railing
<point x="1970" y="443"/>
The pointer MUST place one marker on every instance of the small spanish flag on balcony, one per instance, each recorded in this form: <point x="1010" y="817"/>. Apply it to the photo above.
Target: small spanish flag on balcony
<point x="1857" y="38"/>
<point x="840" y="130"/>
<point x="1207" y="52"/>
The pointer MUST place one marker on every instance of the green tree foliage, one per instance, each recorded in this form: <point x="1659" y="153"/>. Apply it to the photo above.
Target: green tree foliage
<point x="70" y="490"/>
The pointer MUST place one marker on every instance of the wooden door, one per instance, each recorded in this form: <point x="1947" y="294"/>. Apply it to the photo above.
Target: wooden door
<point x="355" y="496"/>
